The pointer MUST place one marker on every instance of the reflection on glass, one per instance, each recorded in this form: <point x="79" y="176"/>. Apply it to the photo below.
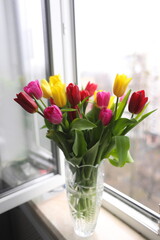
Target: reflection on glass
<point x="23" y="146"/>
<point x="119" y="37"/>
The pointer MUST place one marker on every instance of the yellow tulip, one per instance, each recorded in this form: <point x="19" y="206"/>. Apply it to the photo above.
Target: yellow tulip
<point x="54" y="80"/>
<point x="120" y="84"/>
<point x="111" y="101"/>
<point x="59" y="94"/>
<point x="46" y="88"/>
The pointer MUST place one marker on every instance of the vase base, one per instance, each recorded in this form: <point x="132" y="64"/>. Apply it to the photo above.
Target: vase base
<point x="83" y="234"/>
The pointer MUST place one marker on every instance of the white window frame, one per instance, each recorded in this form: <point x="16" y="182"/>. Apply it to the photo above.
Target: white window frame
<point x="29" y="190"/>
<point x="139" y="217"/>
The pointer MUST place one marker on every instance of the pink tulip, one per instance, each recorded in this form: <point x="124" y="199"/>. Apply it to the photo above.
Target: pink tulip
<point x="103" y="99"/>
<point x="33" y="89"/>
<point x="53" y="114"/>
<point x="105" y="116"/>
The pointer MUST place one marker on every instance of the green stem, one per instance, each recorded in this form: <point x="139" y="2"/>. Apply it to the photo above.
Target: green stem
<point x="43" y="103"/>
<point x="132" y="115"/>
<point x="40" y="113"/>
<point x="41" y="108"/>
<point x="115" y="112"/>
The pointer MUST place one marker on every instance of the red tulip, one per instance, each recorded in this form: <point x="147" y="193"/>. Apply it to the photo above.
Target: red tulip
<point x="73" y="94"/>
<point x="26" y="102"/>
<point x="137" y="102"/>
<point x="53" y="114"/>
<point x="84" y="94"/>
<point x="91" y="88"/>
<point x="105" y="116"/>
<point x="33" y="89"/>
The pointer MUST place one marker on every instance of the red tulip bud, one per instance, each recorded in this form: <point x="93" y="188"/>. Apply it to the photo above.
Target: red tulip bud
<point x="73" y="94"/>
<point x="137" y="102"/>
<point x="26" y="102"/>
<point x="91" y="88"/>
<point x="84" y="94"/>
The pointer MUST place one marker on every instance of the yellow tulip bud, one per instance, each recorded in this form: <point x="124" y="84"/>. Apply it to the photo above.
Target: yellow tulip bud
<point x="111" y="101"/>
<point x="59" y="94"/>
<point x="54" y="80"/>
<point x="120" y="84"/>
<point x="46" y="88"/>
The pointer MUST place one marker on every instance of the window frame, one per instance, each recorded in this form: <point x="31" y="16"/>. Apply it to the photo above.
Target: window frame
<point x="135" y="214"/>
<point x="33" y="188"/>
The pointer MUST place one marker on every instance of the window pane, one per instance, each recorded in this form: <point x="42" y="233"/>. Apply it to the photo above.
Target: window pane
<point x="122" y="37"/>
<point x="25" y="153"/>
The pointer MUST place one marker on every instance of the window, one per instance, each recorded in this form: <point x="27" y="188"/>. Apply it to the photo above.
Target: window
<point x="111" y="37"/>
<point x="28" y="161"/>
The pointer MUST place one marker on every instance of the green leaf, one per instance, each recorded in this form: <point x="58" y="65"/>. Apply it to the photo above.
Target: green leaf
<point x="122" y="105"/>
<point x="49" y="125"/>
<point x="93" y="114"/>
<point x="141" y="113"/>
<point x="81" y="124"/>
<point x="90" y="159"/>
<point x="120" y="124"/>
<point x="128" y="128"/>
<point x="129" y="158"/>
<point x="95" y="134"/>
<point x="68" y="109"/>
<point x="120" y="155"/>
<point x="80" y="145"/>
<point x="75" y="160"/>
<point x="146" y="115"/>
<point x="115" y="161"/>
<point x="60" y="139"/>
<point x="44" y="126"/>
<point x="91" y="154"/>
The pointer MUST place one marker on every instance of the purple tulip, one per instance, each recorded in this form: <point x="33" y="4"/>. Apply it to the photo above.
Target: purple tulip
<point x="103" y="99"/>
<point x="105" y="116"/>
<point x="33" y="89"/>
<point x="53" y="114"/>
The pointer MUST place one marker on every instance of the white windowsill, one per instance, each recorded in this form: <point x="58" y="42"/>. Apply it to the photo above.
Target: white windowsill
<point x="54" y="212"/>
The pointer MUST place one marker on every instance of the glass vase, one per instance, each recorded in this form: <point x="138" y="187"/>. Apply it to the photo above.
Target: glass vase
<point x="84" y="188"/>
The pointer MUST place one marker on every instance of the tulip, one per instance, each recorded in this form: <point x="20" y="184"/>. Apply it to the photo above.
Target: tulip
<point x="73" y="114"/>
<point x="58" y="90"/>
<point x="26" y="102"/>
<point x="111" y="102"/>
<point x="46" y="89"/>
<point x="73" y="94"/>
<point x="59" y="94"/>
<point x="53" y="114"/>
<point x="52" y="101"/>
<point x="91" y="88"/>
<point x="137" y="102"/>
<point x="54" y="80"/>
<point x="102" y="99"/>
<point x="84" y="94"/>
<point x="120" y="84"/>
<point x="105" y="116"/>
<point x="33" y="89"/>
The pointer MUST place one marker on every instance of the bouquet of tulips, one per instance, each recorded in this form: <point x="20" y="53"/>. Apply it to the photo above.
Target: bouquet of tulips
<point x="87" y="125"/>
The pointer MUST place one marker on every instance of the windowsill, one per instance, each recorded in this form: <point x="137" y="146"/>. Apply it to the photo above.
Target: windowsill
<point x="54" y="212"/>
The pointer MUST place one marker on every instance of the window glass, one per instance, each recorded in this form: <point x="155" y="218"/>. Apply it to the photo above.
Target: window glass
<point x="122" y="37"/>
<point x="25" y="153"/>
